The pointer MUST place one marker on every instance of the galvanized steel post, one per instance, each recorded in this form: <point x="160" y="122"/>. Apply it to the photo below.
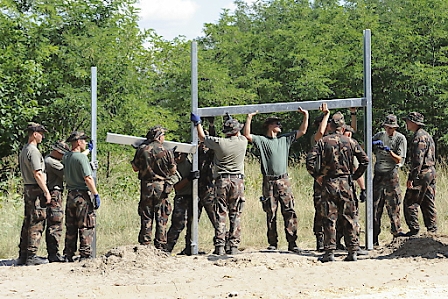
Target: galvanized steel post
<point x="93" y="137"/>
<point x="194" y="135"/>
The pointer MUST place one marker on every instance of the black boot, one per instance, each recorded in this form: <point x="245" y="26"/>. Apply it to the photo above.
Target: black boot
<point x="292" y="247"/>
<point x="219" y="250"/>
<point x="34" y="260"/>
<point x="234" y="250"/>
<point x="351" y="257"/>
<point x="56" y="258"/>
<point x="320" y="242"/>
<point x="327" y="257"/>
<point x="21" y="260"/>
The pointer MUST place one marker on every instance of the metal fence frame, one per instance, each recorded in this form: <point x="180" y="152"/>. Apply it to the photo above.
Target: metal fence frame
<point x="365" y="102"/>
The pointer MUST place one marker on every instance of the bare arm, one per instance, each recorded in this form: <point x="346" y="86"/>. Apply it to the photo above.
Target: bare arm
<point x="201" y="134"/>
<point x="90" y="184"/>
<point x="41" y="180"/>
<point x="397" y="158"/>
<point x="304" y="126"/>
<point x="353" y="121"/>
<point x="246" y="131"/>
<point x="323" y="124"/>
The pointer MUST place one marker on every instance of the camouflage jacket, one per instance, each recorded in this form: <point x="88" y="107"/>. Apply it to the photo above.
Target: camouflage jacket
<point x="335" y="155"/>
<point x="154" y="162"/>
<point x="422" y="153"/>
<point x="205" y="168"/>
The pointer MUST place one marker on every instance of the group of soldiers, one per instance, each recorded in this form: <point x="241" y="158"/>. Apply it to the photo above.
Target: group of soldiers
<point x="336" y="161"/>
<point x="44" y="185"/>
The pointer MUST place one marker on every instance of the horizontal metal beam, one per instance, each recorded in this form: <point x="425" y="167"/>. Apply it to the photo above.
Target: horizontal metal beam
<point x="136" y="141"/>
<point x="282" y="107"/>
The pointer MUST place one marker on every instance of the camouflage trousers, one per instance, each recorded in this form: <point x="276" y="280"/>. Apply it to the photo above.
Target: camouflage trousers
<point x="317" y="221"/>
<point x="206" y="202"/>
<point x="80" y="221"/>
<point x="386" y="191"/>
<point x="338" y="205"/>
<point x="229" y="200"/>
<point x="33" y="224"/>
<point x="422" y="195"/>
<point x="279" y="192"/>
<point x="182" y="215"/>
<point x="55" y="215"/>
<point x="153" y="206"/>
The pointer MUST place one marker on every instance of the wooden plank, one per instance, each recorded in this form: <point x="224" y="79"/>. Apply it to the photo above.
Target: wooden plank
<point x="136" y="141"/>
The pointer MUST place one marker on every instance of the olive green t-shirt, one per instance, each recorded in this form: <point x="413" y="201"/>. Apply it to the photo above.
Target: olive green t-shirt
<point x="55" y="172"/>
<point x="397" y="143"/>
<point x="229" y="154"/>
<point x="183" y="170"/>
<point x="274" y="152"/>
<point x="76" y="168"/>
<point x="30" y="159"/>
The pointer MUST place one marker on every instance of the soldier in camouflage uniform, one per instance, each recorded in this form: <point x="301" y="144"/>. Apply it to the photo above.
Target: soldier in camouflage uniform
<point x="82" y="199"/>
<point x="334" y="174"/>
<point x="36" y="197"/>
<point x="390" y="149"/>
<point x="321" y="123"/>
<point x="155" y="166"/>
<point x="228" y="173"/>
<point x="274" y="150"/>
<point x="183" y="202"/>
<point x="421" y="184"/>
<point x="55" y="213"/>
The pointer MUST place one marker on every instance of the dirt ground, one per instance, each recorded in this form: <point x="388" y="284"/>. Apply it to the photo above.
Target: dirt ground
<point x="405" y="268"/>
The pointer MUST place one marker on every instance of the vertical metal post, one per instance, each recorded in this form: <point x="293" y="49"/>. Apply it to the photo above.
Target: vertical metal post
<point x="194" y="135"/>
<point x="94" y="138"/>
<point x="368" y="136"/>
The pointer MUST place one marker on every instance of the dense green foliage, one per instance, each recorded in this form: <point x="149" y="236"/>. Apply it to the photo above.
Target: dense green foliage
<point x="271" y="51"/>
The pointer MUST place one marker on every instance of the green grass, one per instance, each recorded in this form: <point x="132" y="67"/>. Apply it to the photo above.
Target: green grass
<point x="118" y="221"/>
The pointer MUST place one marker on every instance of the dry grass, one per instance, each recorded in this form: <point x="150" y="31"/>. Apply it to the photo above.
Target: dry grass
<point x="118" y="221"/>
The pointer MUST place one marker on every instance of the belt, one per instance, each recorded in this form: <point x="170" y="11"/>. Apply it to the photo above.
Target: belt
<point x="231" y="176"/>
<point x="276" y="177"/>
<point x="31" y="185"/>
<point x="76" y="190"/>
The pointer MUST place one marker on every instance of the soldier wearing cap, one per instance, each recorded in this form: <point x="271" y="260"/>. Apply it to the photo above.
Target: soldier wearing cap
<point x="390" y="149"/>
<point x="277" y="191"/>
<point x="228" y="172"/>
<point x="421" y="183"/>
<point x="55" y="213"/>
<point x="82" y="199"/>
<point x="334" y="174"/>
<point x="155" y="166"/>
<point x="322" y="125"/>
<point x="36" y="197"/>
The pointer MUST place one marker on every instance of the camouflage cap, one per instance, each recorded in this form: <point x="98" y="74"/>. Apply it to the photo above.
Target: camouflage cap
<point x="271" y="120"/>
<point x="76" y="135"/>
<point x="231" y="127"/>
<point x="61" y="147"/>
<point x="338" y="120"/>
<point x="349" y="128"/>
<point x="155" y="132"/>
<point x="391" y="121"/>
<point x="35" y="127"/>
<point x="416" y="118"/>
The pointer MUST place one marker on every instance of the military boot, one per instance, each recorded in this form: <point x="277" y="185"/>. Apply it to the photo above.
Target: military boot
<point x="21" y="260"/>
<point x="234" y="250"/>
<point x="56" y="258"/>
<point x="34" y="260"/>
<point x="320" y="242"/>
<point x="327" y="257"/>
<point x="219" y="250"/>
<point x="292" y="247"/>
<point x="351" y="257"/>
